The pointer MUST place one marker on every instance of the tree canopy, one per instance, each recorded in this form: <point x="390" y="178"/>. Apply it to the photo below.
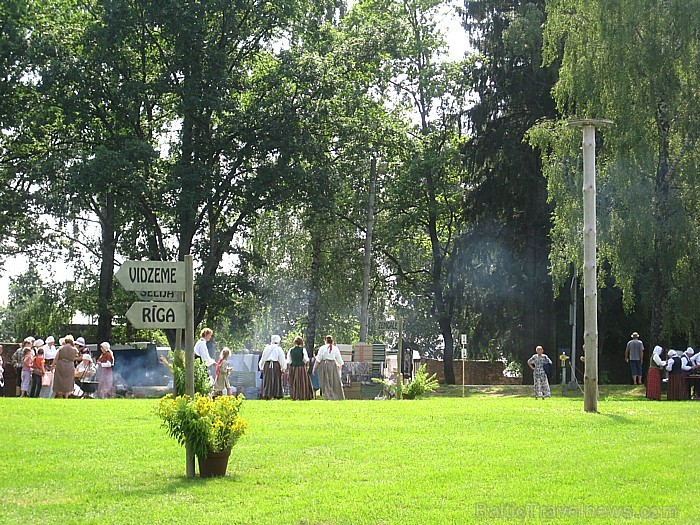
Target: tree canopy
<point x="253" y="136"/>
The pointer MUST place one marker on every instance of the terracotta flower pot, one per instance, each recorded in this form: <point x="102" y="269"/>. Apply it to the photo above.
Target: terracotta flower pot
<point x="214" y="465"/>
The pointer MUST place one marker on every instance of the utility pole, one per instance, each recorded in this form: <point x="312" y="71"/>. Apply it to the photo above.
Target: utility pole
<point x="590" y="290"/>
<point x="364" y="307"/>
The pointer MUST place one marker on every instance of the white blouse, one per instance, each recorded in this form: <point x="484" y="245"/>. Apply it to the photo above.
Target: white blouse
<point x="658" y="361"/>
<point x="201" y="350"/>
<point x="324" y="354"/>
<point x="273" y="352"/>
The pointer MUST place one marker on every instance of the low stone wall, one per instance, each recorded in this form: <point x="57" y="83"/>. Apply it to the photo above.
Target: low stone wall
<point x="475" y="372"/>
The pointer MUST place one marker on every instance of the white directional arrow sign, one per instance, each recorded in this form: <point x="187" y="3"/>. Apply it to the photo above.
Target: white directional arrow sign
<point x="164" y="276"/>
<point x="157" y="315"/>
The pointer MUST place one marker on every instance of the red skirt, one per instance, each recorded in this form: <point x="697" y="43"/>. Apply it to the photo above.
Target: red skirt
<point x="677" y="388"/>
<point x="654" y="384"/>
<point x="299" y="383"/>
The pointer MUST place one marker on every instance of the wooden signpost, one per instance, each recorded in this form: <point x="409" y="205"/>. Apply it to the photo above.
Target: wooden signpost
<point x="395" y="325"/>
<point x="162" y="287"/>
<point x="154" y="315"/>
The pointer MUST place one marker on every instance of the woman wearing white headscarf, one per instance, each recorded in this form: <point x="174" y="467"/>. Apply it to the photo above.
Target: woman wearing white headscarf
<point x="654" y="374"/>
<point x="272" y="363"/>
<point x="105" y="364"/>
<point x="328" y="364"/>
<point x="676" y="378"/>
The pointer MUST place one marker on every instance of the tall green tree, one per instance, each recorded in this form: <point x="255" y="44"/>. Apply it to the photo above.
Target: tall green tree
<point x="423" y="212"/>
<point x="509" y="290"/>
<point x="334" y="76"/>
<point x="96" y="67"/>
<point x="20" y="149"/>
<point x="230" y="157"/>
<point x="638" y="65"/>
<point x="36" y="307"/>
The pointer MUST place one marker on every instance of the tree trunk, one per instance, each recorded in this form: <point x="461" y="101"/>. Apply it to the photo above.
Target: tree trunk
<point x="314" y="293"/>
<point x="107" y="248"/>
<point x="448" y="363"/>
<point x="659" y="288"/>
<point x="364" y="307"/>
<point x="438" y="284"/>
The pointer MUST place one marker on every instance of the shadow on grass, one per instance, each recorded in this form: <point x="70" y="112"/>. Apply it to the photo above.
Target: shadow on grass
<point x="171" y="484"/>
<point x="607" y="392"/>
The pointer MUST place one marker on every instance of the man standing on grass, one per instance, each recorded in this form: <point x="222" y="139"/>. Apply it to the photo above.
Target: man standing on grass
<point x="634" y="353"/>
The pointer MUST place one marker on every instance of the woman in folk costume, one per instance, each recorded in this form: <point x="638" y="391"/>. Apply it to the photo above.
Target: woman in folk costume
<point x="676" y="378"/>
<point x="223" y="369"/>
<point x="654" y="374"/>
<point x="299" y="382"/>
<point x="272" y="364"/>
<point x="64" y="368"/>
<point x="328" y="365"/>
<point x="688" y="367"/>
<point x="105" y="365"/>
<point x="539" y="376"/>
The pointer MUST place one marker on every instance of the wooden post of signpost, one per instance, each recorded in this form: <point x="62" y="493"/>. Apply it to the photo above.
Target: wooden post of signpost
<point x="399" y="375"/>
<point x="189" y="350"/>
<point x="162" y="285"/>
<point x="590" y="290"/>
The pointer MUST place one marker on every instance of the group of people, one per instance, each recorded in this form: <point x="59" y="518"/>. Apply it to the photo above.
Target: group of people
<point x="306" y="376"/>
<point x="62" y="368"/>
<point x="681" y="368"/>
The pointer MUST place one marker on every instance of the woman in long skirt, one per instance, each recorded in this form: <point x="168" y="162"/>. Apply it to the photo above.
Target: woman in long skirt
<point x="539" y="376"/>
<point x="328" y="365"/>
<point x="299" y="382"/>
<point x="272" y="364"/>
<point x="654" y="374"/>
<point x="677" y="389"/>
<point x="64" y="368"/>
<point x="105" y="364"/>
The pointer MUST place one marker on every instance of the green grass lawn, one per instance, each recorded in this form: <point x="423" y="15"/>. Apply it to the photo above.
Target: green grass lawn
<point x="441" y="460"/>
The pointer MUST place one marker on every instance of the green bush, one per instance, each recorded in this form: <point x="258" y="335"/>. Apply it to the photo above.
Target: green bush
<point x="210" y="425"/>
<point x="176" y="364"/>
<point x="420" y="385"/>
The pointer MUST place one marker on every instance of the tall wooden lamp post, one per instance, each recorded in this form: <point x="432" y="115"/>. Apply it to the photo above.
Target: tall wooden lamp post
<point x="590" y="289"/>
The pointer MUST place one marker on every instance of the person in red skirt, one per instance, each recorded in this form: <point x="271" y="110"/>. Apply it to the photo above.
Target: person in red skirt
<point x="654" y="374"/>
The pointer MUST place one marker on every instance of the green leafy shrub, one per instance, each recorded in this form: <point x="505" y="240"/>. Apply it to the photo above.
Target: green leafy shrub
<point x="176" y="365"/>
<point x="210" y="425"/>
<point x="420" y="385"/>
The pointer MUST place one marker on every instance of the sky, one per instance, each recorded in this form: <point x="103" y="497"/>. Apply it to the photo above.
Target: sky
<point x="458" y="45"/>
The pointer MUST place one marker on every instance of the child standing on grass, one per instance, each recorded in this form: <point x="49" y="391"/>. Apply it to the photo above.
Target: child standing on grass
<point x="26" y="372"/>
<point x="223" y="369"/>
<point x="38" y="372"/>
<point x="537" y="362"/>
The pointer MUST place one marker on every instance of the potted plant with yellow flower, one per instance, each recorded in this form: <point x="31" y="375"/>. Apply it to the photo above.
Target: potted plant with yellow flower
<point x="211" y="426"/>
